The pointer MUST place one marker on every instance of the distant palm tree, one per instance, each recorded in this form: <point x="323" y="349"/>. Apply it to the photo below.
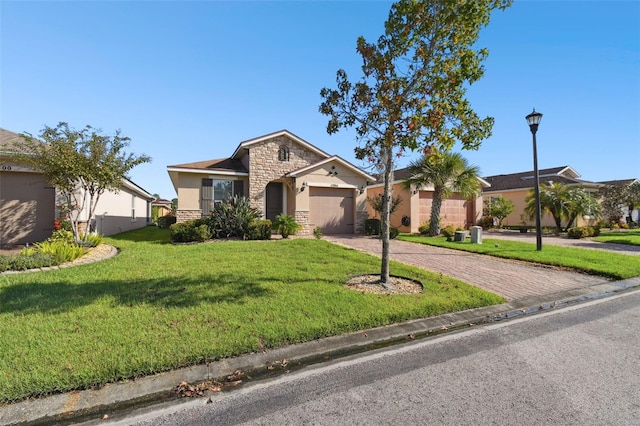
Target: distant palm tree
<point x="563" y="202"/>
<point x="448" y="173"/>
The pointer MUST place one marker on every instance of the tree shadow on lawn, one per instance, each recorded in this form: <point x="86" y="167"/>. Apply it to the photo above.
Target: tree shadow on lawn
<point x="57" y="297"/>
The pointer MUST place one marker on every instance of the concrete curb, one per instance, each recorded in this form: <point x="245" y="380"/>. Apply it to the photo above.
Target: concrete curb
<point x="113" y="397"/>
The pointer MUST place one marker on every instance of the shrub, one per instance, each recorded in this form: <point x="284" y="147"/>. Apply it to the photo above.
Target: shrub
<point x="448" y="231"/>
<point x="60" y="250"/>
<point x="202" y="233"/>
<point x="372" y="226"/>
<point x="393" y="233"/>
<point x="583" y="231"/>
<point x="182" y="232"/>
<point x="259" y="230"/>
<point x="62" y="236"/>
<point x="233" y="218"/>
<point x="424" y="228"/>
<point x="486" y="222"/>
<point x="317" y="232"/>
<point x="286" y="225"/>
<point x="22" y="262"/>
<point x="93" y="240"/>
<point x="166" y="221"/>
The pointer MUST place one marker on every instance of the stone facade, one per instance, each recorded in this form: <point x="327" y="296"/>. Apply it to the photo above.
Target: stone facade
<point x="361" y="217"/>
<point x="302" y="217"/>
<point x="184" y="215"/>
<point x="266" y="164"/>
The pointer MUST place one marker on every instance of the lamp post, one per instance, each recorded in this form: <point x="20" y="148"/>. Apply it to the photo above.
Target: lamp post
<point x="534" y="119"/>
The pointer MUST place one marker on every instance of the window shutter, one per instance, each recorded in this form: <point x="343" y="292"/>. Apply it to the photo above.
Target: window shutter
<point x="206" y="199"/>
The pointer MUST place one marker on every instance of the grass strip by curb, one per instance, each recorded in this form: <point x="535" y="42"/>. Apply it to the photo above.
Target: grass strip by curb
<point x="608" y="264"/>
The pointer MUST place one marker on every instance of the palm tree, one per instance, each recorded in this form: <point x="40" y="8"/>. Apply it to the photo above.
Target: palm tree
<point x="563" y="202"/>
<point x="448" y="173"/>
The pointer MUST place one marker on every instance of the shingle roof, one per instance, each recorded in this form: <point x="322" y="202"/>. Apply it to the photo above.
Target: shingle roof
<point x="221" y="164"/>
<point x="8" y="140"/>
<point x="524" y="180"/>
<point x="621" y="182"/>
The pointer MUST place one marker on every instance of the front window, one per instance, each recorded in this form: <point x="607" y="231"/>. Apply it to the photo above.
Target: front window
<point x="216" y="191"/>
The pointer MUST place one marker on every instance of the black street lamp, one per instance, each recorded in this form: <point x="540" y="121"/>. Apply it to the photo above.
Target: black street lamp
<point x="534" y="119"/>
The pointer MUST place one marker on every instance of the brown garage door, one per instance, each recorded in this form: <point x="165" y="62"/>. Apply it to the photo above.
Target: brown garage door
<point x="332" y="209"/>
<point x="27" y="208"/>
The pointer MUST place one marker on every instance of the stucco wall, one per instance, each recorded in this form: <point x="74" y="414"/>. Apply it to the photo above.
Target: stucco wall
<point x="454" y="211"/>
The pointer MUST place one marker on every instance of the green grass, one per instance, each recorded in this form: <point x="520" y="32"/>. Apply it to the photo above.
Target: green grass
<point x="158" y="306"/>
<point x="613" y="265"/>
<point x="629" y="237"/>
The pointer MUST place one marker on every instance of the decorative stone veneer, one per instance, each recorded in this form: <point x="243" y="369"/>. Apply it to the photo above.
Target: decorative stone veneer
<point x="265" y="166"/>
<point x="361" y="217"/>
<point x="184" y="215"/>
<point x="302" y="217"/>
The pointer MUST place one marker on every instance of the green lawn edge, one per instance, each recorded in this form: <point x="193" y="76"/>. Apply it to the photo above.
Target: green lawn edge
<point x="608" y="264"/>
<point x="158" y="306"/>
<point x="628" y="237"/>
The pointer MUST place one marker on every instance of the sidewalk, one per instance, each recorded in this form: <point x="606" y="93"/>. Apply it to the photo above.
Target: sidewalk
<point x="529" y="289"/>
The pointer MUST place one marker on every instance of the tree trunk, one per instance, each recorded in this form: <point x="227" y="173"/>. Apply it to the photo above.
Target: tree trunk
<point x="387" y="158"/>
<point x="558" y="220"/>
<point x="436" y="204"/>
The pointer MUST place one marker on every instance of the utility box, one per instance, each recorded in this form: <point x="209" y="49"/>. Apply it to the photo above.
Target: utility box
<point x="476" y="235"/>
<point x="460" y="236"/>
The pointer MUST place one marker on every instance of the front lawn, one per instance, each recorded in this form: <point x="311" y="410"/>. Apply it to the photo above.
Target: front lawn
<point x="158" y="306"/>
<point x="614" y="265"/>
<point x="630" y="237"/>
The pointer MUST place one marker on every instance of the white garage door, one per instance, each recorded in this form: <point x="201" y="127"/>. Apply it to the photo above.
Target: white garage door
<point x="332" y="209"/>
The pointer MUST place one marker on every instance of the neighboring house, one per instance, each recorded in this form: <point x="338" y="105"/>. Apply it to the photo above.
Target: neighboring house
<point x="28" y="202"/>
<point x="162" y="206"/>
<point x="516" y="187"/>
<point x="415" y="208"/>
<point x="635" y="214"/>
<point x="279" y="173"/>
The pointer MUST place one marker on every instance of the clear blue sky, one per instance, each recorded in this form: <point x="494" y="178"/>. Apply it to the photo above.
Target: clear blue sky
<point x="188" y="81"/>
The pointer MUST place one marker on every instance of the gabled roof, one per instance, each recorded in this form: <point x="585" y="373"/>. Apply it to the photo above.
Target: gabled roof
<point x="403" y="174"/>
<point x="621" y="182"/>
<point x="8" y="141"/>
<point x="524" y="180"/>
<point x="244" y="146"/>
<point x="335" y="158"/>
<point x="222" y="165"/>
<point x="161" y="202"/>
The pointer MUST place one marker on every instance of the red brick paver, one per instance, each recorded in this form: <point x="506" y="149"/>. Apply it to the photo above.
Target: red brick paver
<point x="511" y="279"/>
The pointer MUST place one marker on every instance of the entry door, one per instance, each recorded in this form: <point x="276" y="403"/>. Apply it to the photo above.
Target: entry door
<point x="274" y="203"/>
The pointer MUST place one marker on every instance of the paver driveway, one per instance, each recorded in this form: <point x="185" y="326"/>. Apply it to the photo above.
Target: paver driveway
<point x="511" y="279"/>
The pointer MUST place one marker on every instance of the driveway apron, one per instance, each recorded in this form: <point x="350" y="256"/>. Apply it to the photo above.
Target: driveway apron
<point x="511" y="279"/>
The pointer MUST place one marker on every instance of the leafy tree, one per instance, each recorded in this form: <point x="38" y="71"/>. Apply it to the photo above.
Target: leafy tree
<point x="174" y="205"/>
<point x="412" y="91"/>
<point x="448" y="173"/>
<point x="614" y="197"/>
<point x="499" y="207"/>
<point x="80" y="164"/>
<point x="562" y="202"/>
<point x="581" y="203"/>
<point x="376" y="203"/>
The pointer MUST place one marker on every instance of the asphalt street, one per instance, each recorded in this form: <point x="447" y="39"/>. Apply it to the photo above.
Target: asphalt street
<point x="577" y="365"/>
